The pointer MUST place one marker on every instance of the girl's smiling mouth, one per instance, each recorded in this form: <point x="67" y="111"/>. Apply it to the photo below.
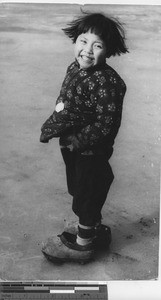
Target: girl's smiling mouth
<point x="87" y="58"/>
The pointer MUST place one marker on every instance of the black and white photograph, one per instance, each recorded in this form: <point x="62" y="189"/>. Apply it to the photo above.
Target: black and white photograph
<point x="80" y="141"/>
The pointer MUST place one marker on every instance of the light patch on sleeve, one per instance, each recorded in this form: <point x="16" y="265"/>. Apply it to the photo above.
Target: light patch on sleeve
<point x="59" y="107"/>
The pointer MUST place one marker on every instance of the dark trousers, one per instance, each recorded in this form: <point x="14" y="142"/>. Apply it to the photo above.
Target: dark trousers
<point x="89" y="178"/>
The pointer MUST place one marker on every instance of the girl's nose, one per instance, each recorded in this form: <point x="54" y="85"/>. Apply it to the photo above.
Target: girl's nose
<point x="89" y="48"/>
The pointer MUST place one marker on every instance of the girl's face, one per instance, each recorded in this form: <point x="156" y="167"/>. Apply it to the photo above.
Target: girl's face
<point x="89" y="50"/>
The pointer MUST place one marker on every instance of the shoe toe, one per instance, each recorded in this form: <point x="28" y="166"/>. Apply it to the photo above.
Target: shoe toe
<point x="52" y="246"/>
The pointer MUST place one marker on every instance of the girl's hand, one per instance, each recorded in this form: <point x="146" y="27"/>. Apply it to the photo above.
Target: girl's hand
<point x="43" y="138"/>
<point x="70" y="141"/>
<point x="74" y="141"/>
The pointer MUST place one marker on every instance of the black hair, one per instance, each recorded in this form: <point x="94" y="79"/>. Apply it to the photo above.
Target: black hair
<point x="109" y="29"/>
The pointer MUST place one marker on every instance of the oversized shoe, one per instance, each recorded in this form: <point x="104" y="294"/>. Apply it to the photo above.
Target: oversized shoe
<point x="102" y="238"/>
<point x="63" y="248"/>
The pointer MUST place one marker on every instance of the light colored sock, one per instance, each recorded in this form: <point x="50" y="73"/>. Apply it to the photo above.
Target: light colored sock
<point x="85" y="239"/>
<point x="83" y="242"/>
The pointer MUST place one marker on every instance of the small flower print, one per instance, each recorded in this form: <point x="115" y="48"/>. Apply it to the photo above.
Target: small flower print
<point x="88" y="103"/>
<point x="73" y="82"/>
<point x="91" y="85"/>
<point x="99" y="108"/>
<point x="92" y="98"/>
<point x="97" y="73"/>
<point x="79" y="90"/>
<point x="102" y="80"/>
<point x="77" y="100"/>
<point x="105" y="131"/>
<point x="108" y="120"/>
<point x="113" y="79"/>
<point x="69" y="94"/>
<point x="83" y="73"/>
<point x="102" y="93"/>
<point x="87" y="128"/>
<point x="111" y="107"/>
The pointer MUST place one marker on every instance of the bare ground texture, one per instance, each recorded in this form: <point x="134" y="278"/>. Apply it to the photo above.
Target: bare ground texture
<point x="34" y="203"/>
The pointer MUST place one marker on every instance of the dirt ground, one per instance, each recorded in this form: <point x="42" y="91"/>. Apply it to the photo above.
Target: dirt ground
<point x="34" y="203"/>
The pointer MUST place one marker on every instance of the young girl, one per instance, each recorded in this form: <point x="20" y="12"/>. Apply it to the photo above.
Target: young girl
<point x="87" y="118"/>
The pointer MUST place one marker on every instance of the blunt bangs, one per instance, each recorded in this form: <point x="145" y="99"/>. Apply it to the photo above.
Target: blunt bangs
<point x="92" y="23"/>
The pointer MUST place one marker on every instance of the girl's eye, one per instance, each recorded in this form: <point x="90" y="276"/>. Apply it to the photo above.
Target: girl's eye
<point x="98" y="46"/>
<point x="83" y="41"/>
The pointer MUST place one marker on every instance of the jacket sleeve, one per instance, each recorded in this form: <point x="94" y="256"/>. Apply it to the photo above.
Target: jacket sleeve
<point x="55" y="125"/>
<point x="107" y="116"/>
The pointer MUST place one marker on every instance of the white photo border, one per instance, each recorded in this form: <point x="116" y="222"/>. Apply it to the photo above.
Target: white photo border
<point x="119" y="290"/>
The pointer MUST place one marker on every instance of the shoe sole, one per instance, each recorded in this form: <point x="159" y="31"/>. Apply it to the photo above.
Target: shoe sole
<point x="57" y="260"/>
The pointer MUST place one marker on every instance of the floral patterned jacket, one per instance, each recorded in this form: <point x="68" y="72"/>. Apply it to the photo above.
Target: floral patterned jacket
<point x="88" y="110"/>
